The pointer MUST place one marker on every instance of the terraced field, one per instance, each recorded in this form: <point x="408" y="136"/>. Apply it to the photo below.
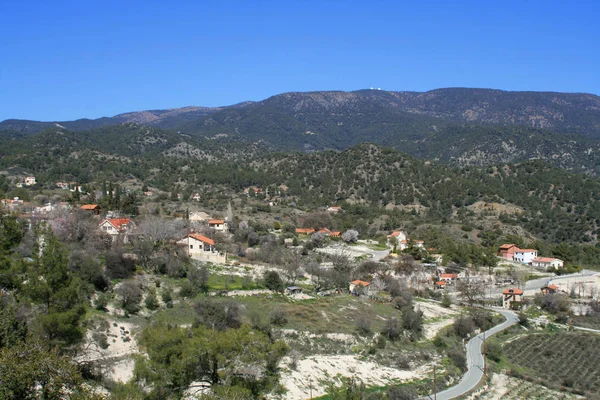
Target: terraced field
<point x="504" y="387"/>
<point x="567" y="361"/>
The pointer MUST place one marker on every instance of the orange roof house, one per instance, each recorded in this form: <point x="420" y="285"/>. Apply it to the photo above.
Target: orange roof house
<point x="512" y="298"/>
<point x="357" y="286"/>
<point x="93" y="208"/>
<point x="202" y="238"/>
<point x="305" y="231"/>
<point x="117" y="227"/>
<point x="448" y="277"/>
<point x="507" y="251"/>
<point x="218" y="225"/>
<point x="549" y="289"/>
<point x="439" y="284"/>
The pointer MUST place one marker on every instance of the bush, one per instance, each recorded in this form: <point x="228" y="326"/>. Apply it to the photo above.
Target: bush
<point x="446" y="300"/>
<point x="151" y="301"/>
<point x="464" y="326"/>
<point x="187" y="289"/>
<point x="101" y="302"/>
<point x="278" y="316"/>
<point x="273" y="281"/>
<point x="363" y="324"/>
<point x="131" y="296"/>
<point x="401" y="393"/>
<point x="391" y="329"/>
<point x="493" y="350"/>
<point x="523" y="319"/>
<point x="166" y="296"/>
<point x="458" y="358"/>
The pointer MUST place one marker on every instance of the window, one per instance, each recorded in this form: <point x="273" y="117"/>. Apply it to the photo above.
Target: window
<point x="191" y="246"/>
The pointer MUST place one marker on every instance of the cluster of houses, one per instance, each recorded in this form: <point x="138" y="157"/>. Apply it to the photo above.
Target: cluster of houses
<point x="198" y="246"/>
<point x="528" y="256"/>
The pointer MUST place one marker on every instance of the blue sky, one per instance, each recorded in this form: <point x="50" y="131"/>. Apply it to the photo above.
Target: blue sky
<point x="65" y="60"/>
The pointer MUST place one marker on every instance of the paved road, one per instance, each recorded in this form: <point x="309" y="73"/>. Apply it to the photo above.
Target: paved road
<point x="475" y="359"/>
<point x="537" y="284"/>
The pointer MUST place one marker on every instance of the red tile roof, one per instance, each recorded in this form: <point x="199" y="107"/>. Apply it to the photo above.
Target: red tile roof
<point x="118" y="223"/>
<point x="90" y="206"/>
<point x="449" y="276"/>
<point x="440" y="283"/>
<point x="361" y="283"/>
<point x="335" y="233"/>
<point x="507" y="246"/>
<point x="216" y="221"/>
<point x="544" y="259"/>
<point x="394" y="234"/>
<point x="202" y="238"/>
<point x="305" y="230"/>
<point x="512" y="291"/>
<point x="526" y="250"/>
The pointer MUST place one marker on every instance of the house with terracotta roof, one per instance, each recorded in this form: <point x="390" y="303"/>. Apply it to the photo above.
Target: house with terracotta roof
<point x="399" y="239"/>
<point x="305" y="231"/>
<point x="92" y="208"/>
<point x="359" y="287"/>
<point x="549" y="289"/>
<point x="439" y="284"/>
<point x="448" y="278"/>
<point x="200" y="247"/>
<point x="117" y="228"/>
<point x="218" y="225"/>
<point x="507" y="251"/>
<point x="547" y="262"/>
<point x="512" y="298"/>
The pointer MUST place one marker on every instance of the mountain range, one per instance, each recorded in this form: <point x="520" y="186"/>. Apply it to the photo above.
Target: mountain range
<point x="459" y="126"/>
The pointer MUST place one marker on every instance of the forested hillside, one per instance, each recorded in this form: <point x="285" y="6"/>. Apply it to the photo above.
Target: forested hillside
<point x="555" y="205"/>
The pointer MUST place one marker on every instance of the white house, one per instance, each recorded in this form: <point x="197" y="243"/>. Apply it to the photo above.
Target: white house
<point x="218" y="225"/>
<point x="547" y="262"/>
<point x="201" y="247"/>
<point x="398" y="238"/>
<point x="196" y="197"/>
<point x="525" y="255"/>
<point x="29" y="180"/>
<point x="118" y="228"/>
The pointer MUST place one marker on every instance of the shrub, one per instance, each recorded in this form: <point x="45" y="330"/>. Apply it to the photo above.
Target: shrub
<point x="391" y="329"/>
<point x="166" y="296"/>
<point x="278" y="316"/>
<point x="131" y="296"/>
<point x="151" y="301"/>
<point x="273" y="281"/>
<point x="101" y="302"/>
<point x="523" y="319"/>
<point x="401" y="393"/>
<point x="458" y="358"/>
<point x="463" y="326"/>
<point x="363" y="324"/>
<point x="446" y="300"/>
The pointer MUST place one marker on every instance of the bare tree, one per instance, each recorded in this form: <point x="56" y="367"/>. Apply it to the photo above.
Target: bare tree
<point x="471" y="290"/>
<point x="161" y="230"/>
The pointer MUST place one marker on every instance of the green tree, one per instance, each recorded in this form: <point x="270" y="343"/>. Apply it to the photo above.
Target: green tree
<point x="45" y="374"/>
<point x="51" y="285"/>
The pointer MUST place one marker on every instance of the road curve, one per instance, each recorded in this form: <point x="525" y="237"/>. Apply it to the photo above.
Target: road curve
<point x="475" y="359"/>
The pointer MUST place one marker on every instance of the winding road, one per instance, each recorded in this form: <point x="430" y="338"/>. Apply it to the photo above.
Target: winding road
<point x="475" y="359"/>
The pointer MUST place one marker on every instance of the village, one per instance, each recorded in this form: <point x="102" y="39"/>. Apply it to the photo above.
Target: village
<point x="295" y="268"/>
